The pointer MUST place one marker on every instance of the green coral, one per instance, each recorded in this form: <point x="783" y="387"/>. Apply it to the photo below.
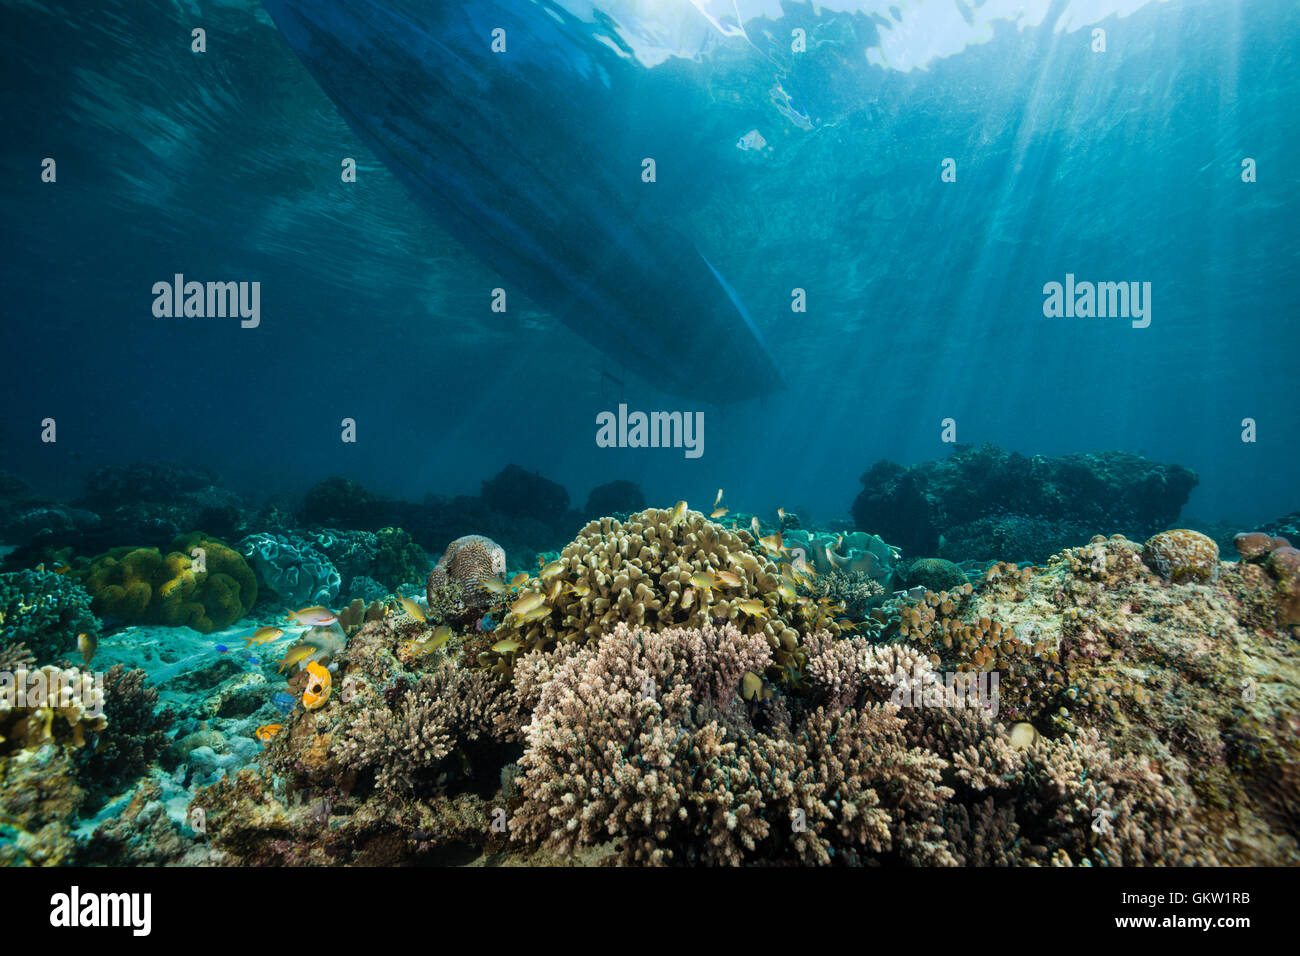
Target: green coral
<point x="144" y="586"/>
<point x="45" y="611"/>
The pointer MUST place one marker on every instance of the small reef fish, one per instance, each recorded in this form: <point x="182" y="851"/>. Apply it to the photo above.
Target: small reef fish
<point x="62" y="568"/>
<point x="581" y="589"/>
<point x="773" y="544"/>
<point x="780" y="513"/>
<point x="753" y="607"/>
<point x="518" y="581"/>
<point x="753" y="526"/>
<point x="263" y="635"/>
<point x="718" y="512"/>
<point x="411" y="608"/>
<point x="318" y="686"/>
<point x="730" y="578"/>
<point x="702" y="581"/>
<point x="679" y="514"/>
<point x="296" y="654"/>
<point x="441" y="635"/>
<point x="551" y="570"/>
<point x="688" y="598"/>
<point x="718" y="500"/>
<point x="529" y="602"/>
<point x="751" y="140"/>
<point x="506" y="646"/>
<point x="786" y="590"/>
<point x="267" y="732"/>
<point x="87" y="644"/>
<point x="554" y="591"/>
<point x="313" y="616"/>
<point x="493" y="584"/>
<point x="284" y="702"/>
<point x="536" y="614"/>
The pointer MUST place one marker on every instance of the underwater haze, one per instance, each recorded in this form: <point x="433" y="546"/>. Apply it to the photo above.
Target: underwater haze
<point x="650" y="432"/>
<point x="924" y="298"/>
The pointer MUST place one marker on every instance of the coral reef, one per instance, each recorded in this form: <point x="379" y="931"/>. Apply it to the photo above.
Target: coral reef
<point x="142" y="585"/>
<point x="934" y="574"/>
<point x="291" y="569"/>
<point x="656" y="571"/>
<point x="457" y="579"/>
<point x="44" y="611"/>
<point x="1182" y="555"/>
<point x="136" y="733"/>
<point x="977" y="498"/>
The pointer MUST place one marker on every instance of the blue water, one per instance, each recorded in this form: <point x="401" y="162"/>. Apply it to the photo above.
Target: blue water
<point x="925" y="298"/>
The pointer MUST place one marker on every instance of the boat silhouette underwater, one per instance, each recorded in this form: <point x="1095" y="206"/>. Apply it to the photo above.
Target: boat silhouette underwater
<point x="508" y="123"/>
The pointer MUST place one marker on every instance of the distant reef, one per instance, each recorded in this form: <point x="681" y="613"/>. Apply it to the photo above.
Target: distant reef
<point x="984" y="503"/>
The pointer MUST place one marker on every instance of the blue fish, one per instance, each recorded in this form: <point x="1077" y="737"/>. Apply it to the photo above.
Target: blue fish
<point x="221" y="648"/>
<point x="530" y="160"/>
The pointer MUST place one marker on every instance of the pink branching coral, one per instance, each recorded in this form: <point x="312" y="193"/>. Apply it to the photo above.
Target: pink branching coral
<point x="646" y="741"/>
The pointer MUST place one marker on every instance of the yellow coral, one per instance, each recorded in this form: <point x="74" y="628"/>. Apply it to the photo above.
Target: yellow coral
<point x="144" y="586"/>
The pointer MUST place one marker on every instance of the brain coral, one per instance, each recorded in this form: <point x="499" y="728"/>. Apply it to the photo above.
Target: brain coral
<point x="1182" y="555"/>
<point x="463" y="566"/>
<point x="144" y="586"/>
<point x="640" y="571"/>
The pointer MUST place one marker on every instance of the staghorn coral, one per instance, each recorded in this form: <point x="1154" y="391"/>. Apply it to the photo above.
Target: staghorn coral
<point x="44" y="611"/>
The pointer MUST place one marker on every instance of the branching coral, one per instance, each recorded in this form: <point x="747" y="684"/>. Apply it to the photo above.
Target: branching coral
<point x="45" y="611"/>
<point x="650" y="570"/>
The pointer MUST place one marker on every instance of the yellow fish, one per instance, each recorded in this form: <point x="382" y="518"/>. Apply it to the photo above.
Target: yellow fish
<point x="688" y="598"/>
<point x="493" y="584"/>
<point x="718" y="500"/>
<point x="87" y="644"/>
<point x="519" y="580"/>
<point x="506" y="646"/>
<point x="316" y="616"/>
<point x="679" y="514"/>
<point x="753" y="607"/>
<point x="786" y="590"/>
<point x="581" y="589"/>
<point x="753" y="526"/>
<point x="551" y="570"/>
<point x="441" y="635"/>
<point x="773" y="544"/>
<point x="554" y="591"/>
<point x="702" y="581"/>
<point x="530" y="601"/>
<point x="730" y="578"/>
<point x="780" y="513"/>
<point x="536" y="614"/>
<point x="263" y="635"/>
<point x="411" y="608"/>
<point x="296" y="654"/>
<point x="719" y="512"/>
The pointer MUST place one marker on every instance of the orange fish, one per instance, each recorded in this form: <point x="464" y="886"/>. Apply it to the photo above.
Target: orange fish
<point x="267" y="732"/>
<point x="318" y="686"/>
